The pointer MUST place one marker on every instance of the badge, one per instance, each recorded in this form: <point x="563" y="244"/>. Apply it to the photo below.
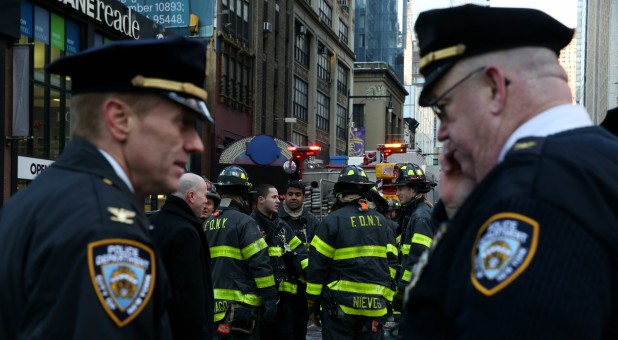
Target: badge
<point x="123" y="275"/>
<point x="503" y="249"/>
<point x="121" y="215"/>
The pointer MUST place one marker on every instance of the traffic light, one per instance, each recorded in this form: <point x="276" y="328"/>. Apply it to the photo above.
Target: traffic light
<point x="299" y="154"/>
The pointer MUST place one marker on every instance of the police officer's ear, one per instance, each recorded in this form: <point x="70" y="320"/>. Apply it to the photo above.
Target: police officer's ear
<point x="116" y="116"/>
<point x="498" y="84"/>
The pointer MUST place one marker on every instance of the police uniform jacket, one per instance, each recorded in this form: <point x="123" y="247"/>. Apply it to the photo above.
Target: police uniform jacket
<point x="304" y="226"/>
<point x="181" y="240"/>
<point x="353" y="259"/>
<point x="77" y="259"/>
<point x="241" y="267"/>
<point x="532" y="253"/>
<point x="288" y="255"/>
<point x="418" y="231"/>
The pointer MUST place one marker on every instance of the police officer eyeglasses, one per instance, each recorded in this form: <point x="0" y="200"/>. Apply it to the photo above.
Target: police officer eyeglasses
<point x="438" y="109"/>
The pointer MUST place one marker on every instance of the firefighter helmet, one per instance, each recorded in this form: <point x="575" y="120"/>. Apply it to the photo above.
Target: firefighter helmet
<point x="393" y="204"/>
<point x="212" y="190"/>
<point x="412" y="175"/>
<point x="353" y="177"/>
<point x="234" y="177"/>
<point x="378" y="200"/>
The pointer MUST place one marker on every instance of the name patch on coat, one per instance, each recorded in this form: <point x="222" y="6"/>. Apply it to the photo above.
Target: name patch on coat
<point x="503" y="249"/>
<point x="123" y="274"/>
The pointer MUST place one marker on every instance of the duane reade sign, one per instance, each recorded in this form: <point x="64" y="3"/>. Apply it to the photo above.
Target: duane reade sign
<point x="110" y="12"/>
<point x="28" y="167"/>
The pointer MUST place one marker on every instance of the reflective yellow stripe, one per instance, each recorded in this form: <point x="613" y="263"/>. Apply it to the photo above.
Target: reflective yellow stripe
<point x="289" y="287"/>
<point x="322" y="247"/>
<point x="393" y="272"/>
<point x="392" y="249"/>
<point x="238" y="296"/>
<point x="219" y="316"/>
<point x="304" y="263"/>
<point x="225" y="251"/>
<point x="266" y="281"/>
<point x="314" y="288"/>
<point x="275" y="251"/>
<point x="406" y="275"/>
<point x="364" y="312"/>
<point x="422" y="239"/>
<point x="354" y="252"/>
<point x="398" y="239"/>
<point x="295" y="243"/>
<point x="361" y="288"/>
<point x="405" y="249"/>
<point x="253" y="248"/>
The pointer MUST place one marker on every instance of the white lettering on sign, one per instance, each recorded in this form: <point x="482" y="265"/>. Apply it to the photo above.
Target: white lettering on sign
<point x="29" y="168"/>
<point x="121" y="20"/>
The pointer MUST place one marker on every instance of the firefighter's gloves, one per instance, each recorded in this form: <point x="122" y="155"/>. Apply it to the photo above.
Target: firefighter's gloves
<point x="270" y="310"/>
<point x="314" y="311"/>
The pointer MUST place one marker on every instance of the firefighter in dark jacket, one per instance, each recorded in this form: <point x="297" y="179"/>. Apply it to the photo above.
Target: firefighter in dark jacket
<point x="415" y="220"/>
<point x="352" y="263"/>
<point x="288" y="258"/>
<point x="180" y="238"/>
<point x="76" y="257"/>
<point x="304" y="224"/>
<point x="243" y="280"/>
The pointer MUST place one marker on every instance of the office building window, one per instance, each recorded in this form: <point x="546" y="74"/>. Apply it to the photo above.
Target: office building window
<point x="343" y="32"/>
<point x="300" y="99"/>
<point x="326" y="13"/>
<point x="236" y="19"/>
<point x="299" y="139"/>
<point x="301" y="46"/>
<point x="323" y="63"/>
<point x="358" y="114"/>
<point x="235" y="80"/>
<point x="341" y="121"/>
<point x="342" y="79"/>
<point x="323" y="112"/>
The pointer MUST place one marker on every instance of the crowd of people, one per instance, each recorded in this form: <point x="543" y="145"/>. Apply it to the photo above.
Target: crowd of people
<point x="522" y="244"/>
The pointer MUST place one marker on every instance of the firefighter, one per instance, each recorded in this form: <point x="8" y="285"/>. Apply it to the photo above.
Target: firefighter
<point x="243" y="278"/>
<point x="304" y="224"/>
<point x="288" y="258"/>
<point x="415" y="220"/>
<point x="352" y="263"/>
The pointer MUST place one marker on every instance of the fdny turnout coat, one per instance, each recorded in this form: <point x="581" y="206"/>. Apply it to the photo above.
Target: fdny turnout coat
<point x="241" y="267"/>
<point x="180" y="238"/>
<point x="353" y="259"/>
<point x="76" y="257"/>
<point x="304" y="225"/>
<point x="526" y="253"/>
<point x="417" y="235"/>
<point x="287" y="252"/>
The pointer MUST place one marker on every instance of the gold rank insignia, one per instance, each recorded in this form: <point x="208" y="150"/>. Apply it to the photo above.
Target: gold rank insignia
<point x="121" y="215"/>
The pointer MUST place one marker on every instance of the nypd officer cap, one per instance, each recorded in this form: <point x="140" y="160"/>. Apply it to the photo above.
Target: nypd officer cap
<point x="448" y="35"/>
<point x="173" y="67"/>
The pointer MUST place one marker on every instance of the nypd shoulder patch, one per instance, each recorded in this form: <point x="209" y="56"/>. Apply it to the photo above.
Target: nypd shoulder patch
<point x="503" y="249"/>
<point x="123" y="274"/>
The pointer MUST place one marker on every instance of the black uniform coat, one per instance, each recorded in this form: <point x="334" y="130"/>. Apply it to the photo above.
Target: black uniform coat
<point x="532" y="253"/>
<point x="76" y="257"/>
<point x="304" y="226"/>
<point x="180" y="237"/>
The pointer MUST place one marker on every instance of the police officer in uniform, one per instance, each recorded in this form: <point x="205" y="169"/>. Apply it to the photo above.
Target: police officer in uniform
<point x="304" y="224"/>
<point x="77" y="260"/>
<point x="243" y="278"/>
<point x="527" y="243"/>
<point x="352" y="263"/>
<point x="415" y="220"/>
<point x="288" y="258"/>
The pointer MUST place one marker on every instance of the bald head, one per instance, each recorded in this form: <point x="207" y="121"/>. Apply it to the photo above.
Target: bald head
<point x="193" y="190"/>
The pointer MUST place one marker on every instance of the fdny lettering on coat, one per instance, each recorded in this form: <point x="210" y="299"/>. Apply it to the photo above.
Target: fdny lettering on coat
<point x="365" y="221"/>
<point x="217" y="223"/>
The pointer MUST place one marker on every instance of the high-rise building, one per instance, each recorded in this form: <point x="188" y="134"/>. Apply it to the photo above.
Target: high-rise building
<point x="377" y="33"/>
<point x="568" y="60"/>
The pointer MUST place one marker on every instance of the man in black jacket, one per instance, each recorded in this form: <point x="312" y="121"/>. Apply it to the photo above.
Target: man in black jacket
<point x="288" y="257"/>
<point x="179" y="236"/>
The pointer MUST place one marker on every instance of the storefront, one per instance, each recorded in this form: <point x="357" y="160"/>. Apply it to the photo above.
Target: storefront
<point x="35" y="105"/>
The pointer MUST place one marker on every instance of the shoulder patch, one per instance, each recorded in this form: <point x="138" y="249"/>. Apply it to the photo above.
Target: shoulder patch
<point x="121" y="215"/>
<point x="123" y="274"/>
<point x="504" y="247"/>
